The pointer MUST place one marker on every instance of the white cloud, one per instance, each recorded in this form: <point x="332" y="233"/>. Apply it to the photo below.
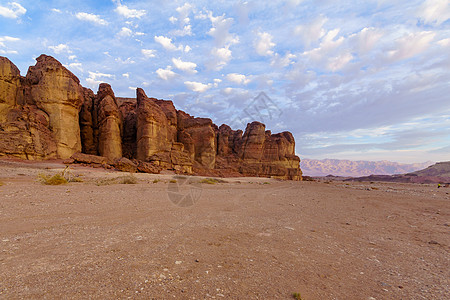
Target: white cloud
<point x="220" y="31"/>
<point x="148" y="53"/>
<point x="187" y="30"/>
<point x="311" y="32"/>
<point x="95" y="78"/>
<point x="166" y="74"/>
<point x="60" y="48"/>
<point x="167" y="43"/>
<point x="126" y="75"/>
<point x="127" y="61"/>
<point x="434" y="11"/>
<point x="411" y="45"/>
<point x="184" y="12"/>
<point x="72" y="57"/>
<point x="77" y="66"/>
<point x="221" y="56"/>
<point x="367" y="38"/>
<point x="125" y="32"/>
<point x="338" y="62"/>
<point x="282" y="61"/>
<point x="56" y="10"/>
<point x="8" y="51"/>
<point x="90" y="18"/>
<point x="293" y="3"/>
<point x="7" y="39"/>
<point x="184" y="21"/>
<point x="263" y="44"/>
<point x="129" y="13"/>
<point x="227" y="91"/>
<point x="13" y="11"/>
<point x="197" y="86"/>
<point x="238" y="78"/>
<point x="185" y="66"/>
<point x="328" y="44"/>
<point x="444" y="42"/>
<point x="217" y="81"/>
<point x="187" y="49"/>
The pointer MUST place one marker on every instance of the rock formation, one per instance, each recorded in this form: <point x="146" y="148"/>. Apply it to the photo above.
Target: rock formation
<point x="109" y="123"/>
<point x="48" y="114"/>
<point x="57" y="92"/>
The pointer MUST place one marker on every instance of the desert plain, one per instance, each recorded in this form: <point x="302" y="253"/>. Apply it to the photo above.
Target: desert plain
<point x="240" y="238"/>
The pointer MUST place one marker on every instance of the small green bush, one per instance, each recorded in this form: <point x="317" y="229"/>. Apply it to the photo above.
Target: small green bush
<point x="156" y="181"/>
<point x="297" y="296"/>
<point x="173" y="181"/>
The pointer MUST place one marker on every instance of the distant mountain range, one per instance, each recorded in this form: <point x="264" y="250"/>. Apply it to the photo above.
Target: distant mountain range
<point x="348" y="168"/>
<point x="437" y="173"/>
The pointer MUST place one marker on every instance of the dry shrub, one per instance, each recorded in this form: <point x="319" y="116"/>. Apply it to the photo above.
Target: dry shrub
<point x="128" y="179"/>
<point x="56" y="179"/>
<point x="63" y="177"/>
<point x="212" y="181"/>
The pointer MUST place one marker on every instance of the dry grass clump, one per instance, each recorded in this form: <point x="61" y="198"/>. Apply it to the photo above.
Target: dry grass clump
<point x="1" y="183"/>
<point x="173" y="181"/>
<point x="63" y="177"/>
<point x="156" y="181"/>
<point x="128" y="179"/>
<point x="212" y="181"/>
<point x="56" y="179"/>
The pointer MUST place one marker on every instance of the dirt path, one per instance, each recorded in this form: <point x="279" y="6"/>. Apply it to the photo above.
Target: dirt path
<point x="243" y="239"/>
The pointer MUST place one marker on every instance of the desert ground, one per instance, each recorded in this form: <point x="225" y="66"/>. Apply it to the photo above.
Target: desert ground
<point x="243" y="238"/>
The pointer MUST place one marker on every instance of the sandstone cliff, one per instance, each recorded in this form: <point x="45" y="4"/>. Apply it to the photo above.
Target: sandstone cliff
<point x="48" y="114"/>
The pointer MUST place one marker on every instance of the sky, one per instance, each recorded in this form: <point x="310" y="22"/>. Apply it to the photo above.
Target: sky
<point x="358" y="80"/>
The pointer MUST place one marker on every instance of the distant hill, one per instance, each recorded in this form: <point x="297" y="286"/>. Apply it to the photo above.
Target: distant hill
<point x="440" y="169"/>
<point x="437" y="173"/>
<point x="348" y="168"/>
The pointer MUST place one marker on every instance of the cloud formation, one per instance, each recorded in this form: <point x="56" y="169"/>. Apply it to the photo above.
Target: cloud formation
<point x="91" y="18"/>
<point x="13" y="10"/>
<point x="129" y="13"/>
<point x="351" y="80"/>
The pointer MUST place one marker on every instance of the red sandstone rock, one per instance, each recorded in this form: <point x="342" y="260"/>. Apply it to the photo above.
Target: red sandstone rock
<point x="203" y="135"/>
<point x="129" y="117"/>
<point x="57" y="92"/>
<point x="48" y="115"/>
<point x="89" y="145"/>
<point x="152" y="128"/>
<point x="125" y="165"/>
<point x="109" y="123"/>
<point x="146" y="167"/>
<point x="89" y="159"/>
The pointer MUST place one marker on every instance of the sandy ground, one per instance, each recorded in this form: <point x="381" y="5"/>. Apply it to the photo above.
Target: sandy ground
<point x="246" y="238"/>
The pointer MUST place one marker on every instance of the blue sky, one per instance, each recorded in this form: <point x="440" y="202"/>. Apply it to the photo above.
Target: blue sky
<point x="360" y="80"/>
